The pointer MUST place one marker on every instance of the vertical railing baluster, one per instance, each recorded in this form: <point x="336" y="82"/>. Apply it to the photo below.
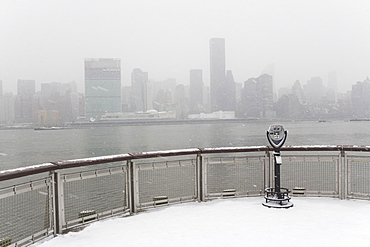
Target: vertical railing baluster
<point x="131" y="186"/>
<point x="200" y="178"/>
<point x="54" y="202"/>
<point x="345" y="174"/>
<point x="267" y="170"/>
<point x="341" y="175"/>
<point x="58" y="203"/>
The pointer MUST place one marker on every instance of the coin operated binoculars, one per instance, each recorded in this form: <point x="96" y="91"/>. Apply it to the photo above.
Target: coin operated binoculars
<point x="277" y="197"/>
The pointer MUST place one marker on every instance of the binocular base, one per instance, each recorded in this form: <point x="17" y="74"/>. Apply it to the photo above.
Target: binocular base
<point x="274" y="204"/>
<point x="277" y="199"/>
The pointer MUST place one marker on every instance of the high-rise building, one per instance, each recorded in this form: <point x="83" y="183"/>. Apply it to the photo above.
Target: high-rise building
<point x="297" y="91"/>
<point x="163" y="94"/>
<point x="332" y="84"/>
<point x="26" y="87"/>
<point x="257" y="97"/>
<point x="228" y="93"/>
<point x="102" y="86"/>
<point x="360" y="99"/>
<point x="314" y="90"/>
<point x="26" y="106"/>
<point x="59" y="102"/>
<point x="265" y="95"/>
<point x="9" y="108"/>
<point x="217" y="72"/>
<point x="249" y="99"/>
<point x="196" y="91"/>
<point x="139" y="91"/>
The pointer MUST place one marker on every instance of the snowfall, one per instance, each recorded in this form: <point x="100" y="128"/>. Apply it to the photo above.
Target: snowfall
<point x="231" y="222"/>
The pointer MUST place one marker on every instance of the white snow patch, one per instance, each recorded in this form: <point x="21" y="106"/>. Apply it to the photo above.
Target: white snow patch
<point x="232" y="222"/>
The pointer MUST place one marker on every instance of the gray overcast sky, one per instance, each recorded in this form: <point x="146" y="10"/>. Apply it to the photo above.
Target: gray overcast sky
<point x="47" y="40"/>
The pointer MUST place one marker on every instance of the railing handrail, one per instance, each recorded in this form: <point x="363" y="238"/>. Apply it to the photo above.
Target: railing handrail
<point x="52" y="166"/>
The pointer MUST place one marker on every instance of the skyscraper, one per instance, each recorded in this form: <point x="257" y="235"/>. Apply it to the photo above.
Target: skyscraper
<point x="139" y="91"/>
<point x="26" y="87"/>
<point x="314" y="90"/>
<point x="196" y="91"/>
<point x="332" y="84"/>
<point x="297" y="91"/>
<point x="102" y="86"/>
<point x="25" y="108"/>
<point x="228" y="92"/>
<point x="257" y="97"/>
<point x="217" y="72"/>
<point x="360" y="99"/>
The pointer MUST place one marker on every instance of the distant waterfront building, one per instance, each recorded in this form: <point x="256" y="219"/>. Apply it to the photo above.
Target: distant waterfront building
<point x="314" y="90"/>
<point x="283" y="91"/>
<point x="238" y="90"/>
<point x="249" y="99"/>
<point x="9" y="108"/>
<point x="137" y="116"/>
<point x="126" y="98"/>
<point x="360" y="99"/>
<point x="180" y="94"/>
<point x="213" y="115"/>
<point x="332" y="85"/>
<point x="139" y="91"/>
<point x="59" y="103"/>
<point x="102" y="86"/>
<point x="257" y="97"/>
<point x="26" y="87"/>
<point x="163" y="94"/>
<point x="229" y="94"/>
<point x="289" y="107"/>
<point x="297" y="91"/>
<point x="217" y="72"/>
<point x="26" y="104"/>
<point x="265" y="95"/>
<point x="196" y="91"/>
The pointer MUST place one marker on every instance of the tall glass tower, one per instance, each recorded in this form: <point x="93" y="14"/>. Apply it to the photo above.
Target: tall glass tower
<point x="102" y="86"/>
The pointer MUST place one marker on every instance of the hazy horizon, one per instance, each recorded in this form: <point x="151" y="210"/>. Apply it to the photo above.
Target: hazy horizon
<point x="48" y="40"/>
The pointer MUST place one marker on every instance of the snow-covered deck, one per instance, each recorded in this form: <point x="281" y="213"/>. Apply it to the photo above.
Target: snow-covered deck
<point x="232" y="222"/>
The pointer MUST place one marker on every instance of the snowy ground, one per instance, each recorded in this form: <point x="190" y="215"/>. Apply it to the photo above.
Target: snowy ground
<point x="232" y="222"/>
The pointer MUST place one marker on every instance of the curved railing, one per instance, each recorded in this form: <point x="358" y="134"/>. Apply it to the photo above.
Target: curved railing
<point x="51" y="198"/>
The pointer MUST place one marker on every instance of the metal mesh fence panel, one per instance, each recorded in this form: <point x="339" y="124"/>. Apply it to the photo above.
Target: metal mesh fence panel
<point x="311" y="174"/>
<point x="100" y="192"/>
<point x="164" y="182"/>
<point x="25" y="212"/>
<point x="358" y="177"/>
<point x="234" y="176"/>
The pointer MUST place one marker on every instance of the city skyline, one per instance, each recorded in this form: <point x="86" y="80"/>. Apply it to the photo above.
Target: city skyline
<point x="47" y="41"/>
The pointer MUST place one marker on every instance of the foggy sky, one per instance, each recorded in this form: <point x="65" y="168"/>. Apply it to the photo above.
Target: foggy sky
<point x="47" y="40"/>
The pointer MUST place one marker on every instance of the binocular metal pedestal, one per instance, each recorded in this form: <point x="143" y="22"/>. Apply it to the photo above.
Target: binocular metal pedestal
<point x="277" y="199"/>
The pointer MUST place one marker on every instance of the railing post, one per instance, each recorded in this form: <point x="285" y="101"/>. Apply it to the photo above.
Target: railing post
<point x="131" y="186"/>
<point x="200" y="178"/>
<point x="344" y="175"/>
<point x="58" y="201"/>
<point x="269" y="172"/>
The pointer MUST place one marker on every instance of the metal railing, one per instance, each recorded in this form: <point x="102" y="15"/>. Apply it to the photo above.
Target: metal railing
<point x="51" y="198"/>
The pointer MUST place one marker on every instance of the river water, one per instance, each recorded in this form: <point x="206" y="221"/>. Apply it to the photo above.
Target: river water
<point x="25" y="147"/>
